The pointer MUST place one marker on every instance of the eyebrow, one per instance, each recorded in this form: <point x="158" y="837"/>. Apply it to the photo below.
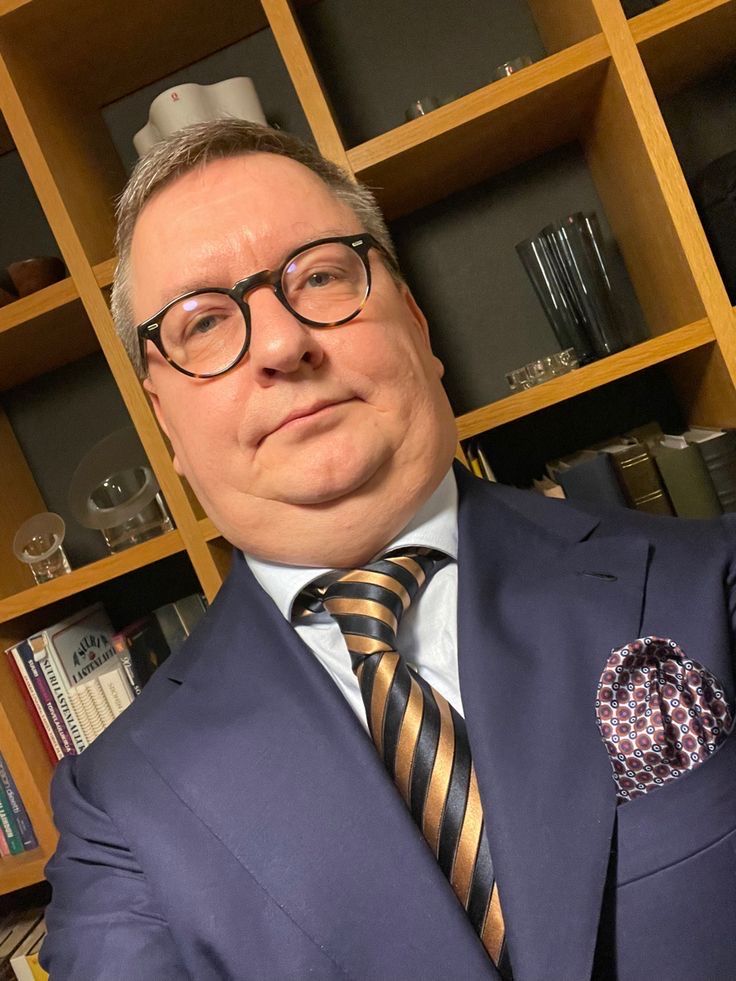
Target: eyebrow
<point x="200" y="283"/>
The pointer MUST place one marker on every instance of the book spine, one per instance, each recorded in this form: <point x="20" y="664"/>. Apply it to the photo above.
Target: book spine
<point x="25" y="828"/>
<point x="641" y="481"/>
<point x="4" y="847"/>
<point x="9" y="826"/>
<point x="59" y="694"/>
<point x="127" y="663"/>
<point x="37" y="713"/>
<point x="719" y="455"/>
<point x="46" y="699"/>
<point x="116" y="689"/>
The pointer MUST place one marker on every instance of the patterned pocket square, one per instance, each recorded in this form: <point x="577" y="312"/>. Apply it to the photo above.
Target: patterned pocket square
<point x="660" y="714"/>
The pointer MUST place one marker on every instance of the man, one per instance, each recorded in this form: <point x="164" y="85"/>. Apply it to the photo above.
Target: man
<point x="238" y="821"/>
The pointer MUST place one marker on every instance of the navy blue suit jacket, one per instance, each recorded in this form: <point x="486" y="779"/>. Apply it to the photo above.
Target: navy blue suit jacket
<point x="236" y="821"/>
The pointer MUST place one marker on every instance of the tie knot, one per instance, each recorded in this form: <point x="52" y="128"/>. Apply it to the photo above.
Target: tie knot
<point x="368" y="603"/>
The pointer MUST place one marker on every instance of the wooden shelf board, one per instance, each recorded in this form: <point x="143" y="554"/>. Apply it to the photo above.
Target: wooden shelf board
<point x="42" y="301"/>
<point x="46" y="340"/>
<point x="158" y="39"/>
<point x="484" y="133"/>
<point x="22" y="870"/>
<point x="208" y="530"/>
<point x="682" y="40"/>
<point x="633" y="359"/>
<point x="104" y="271"/>
<point x="90" y="575"/>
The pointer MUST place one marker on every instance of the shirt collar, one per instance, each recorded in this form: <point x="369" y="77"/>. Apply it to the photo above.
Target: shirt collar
<point x="434" y="525"/>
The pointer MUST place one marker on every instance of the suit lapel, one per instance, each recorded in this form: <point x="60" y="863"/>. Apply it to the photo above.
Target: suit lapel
<point x="538" y="613"/>
<point x="258" y="742"/>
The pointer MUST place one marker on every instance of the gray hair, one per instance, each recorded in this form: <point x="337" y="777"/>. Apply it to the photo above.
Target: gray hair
<point x="195" y="146"/>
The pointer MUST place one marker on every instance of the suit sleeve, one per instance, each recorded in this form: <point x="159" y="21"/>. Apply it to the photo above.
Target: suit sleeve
<point x="103" y="924"/>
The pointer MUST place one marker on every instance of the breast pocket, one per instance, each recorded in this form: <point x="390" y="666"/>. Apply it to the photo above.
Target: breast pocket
<point x="675" y="900"/>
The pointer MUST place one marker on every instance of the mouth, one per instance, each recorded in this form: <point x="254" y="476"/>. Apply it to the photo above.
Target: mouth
<point x="304" y="415"/>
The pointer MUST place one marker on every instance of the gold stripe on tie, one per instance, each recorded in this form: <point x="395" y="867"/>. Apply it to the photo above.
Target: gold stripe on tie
<point x="493" y="928"/>
<point x="365" y="645"/>
<point x="410" y="565"/>
<point x="440" y="780"/>
<point x="379" y="579"/>
<point x="362" y="607"/>
<point x="467" y="846"/>
<point x="406" y="747"/>
<point x="382" y="680"/>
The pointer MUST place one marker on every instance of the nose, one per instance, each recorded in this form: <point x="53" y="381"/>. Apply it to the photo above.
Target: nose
<point x="280" y="344"/>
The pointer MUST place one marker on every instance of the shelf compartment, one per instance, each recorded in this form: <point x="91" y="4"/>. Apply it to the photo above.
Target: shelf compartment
<point x="484" y="133"/>
<point x="158" y="38"/>
<point x="682" y="40"/>
<point x="101" y="571"/>
<point x="41" y="332"/>
<point x="22" y="870"/>
<point x="633" y="359"/>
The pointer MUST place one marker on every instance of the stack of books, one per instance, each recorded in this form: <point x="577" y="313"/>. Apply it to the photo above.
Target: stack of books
<point x="21" y="935"/>
<point x="690" y="475"/>
<point x="78" y="675"/>
<point x="16" y="830"/>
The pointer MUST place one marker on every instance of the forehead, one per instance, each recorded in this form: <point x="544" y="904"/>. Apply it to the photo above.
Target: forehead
<point x="229" y="218"/>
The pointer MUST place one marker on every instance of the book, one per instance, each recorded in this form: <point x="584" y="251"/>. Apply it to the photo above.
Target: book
<point x="46" y="698"/>
<point x="9" y="826"/>
<point x="718" y="449"/>
<point x="24" y="961"/>
<point x="639" y="477"/>
<point x="58" y="690"/>
<point x="17" y="806"/>
<point x="32" y="714"/>
<point x="14" y="931"/>
<point x="79" y="650"/>
<point x="178" y="619"/>
<point x="147" y="647"/>
<point x="25" y="684"/>
<point x="686" y="478"/>
<point x="116" y="688"/>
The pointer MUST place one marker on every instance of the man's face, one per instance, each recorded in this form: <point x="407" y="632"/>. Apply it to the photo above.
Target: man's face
<point x="320" y="440"/>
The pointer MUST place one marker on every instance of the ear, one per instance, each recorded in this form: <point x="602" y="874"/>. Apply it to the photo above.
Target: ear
<point x="158" y="411"/>
<point x="422" y="326"/>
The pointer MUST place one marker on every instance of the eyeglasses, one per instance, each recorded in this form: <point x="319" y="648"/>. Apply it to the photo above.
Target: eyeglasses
<point x="206" y="332"/>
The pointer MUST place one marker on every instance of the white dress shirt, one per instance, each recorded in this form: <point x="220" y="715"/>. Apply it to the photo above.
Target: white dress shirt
<point x="427" y="636"/>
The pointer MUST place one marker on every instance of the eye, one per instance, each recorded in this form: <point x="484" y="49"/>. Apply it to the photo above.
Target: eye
<point x="321" y="278"/>
<point x="204" y="324"/>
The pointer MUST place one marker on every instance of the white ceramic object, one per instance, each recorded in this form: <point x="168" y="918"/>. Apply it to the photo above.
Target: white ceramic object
<point x="191" y="103"/>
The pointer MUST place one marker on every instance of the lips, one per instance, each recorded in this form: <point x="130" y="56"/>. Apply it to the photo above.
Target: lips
<point x="304" y="412"/>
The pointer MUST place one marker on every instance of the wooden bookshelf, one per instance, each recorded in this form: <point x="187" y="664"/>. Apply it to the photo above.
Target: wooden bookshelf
<point x="598" y="88"/>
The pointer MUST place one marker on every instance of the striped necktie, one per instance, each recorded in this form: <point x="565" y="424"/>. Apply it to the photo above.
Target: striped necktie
<point x="419" y="735"/>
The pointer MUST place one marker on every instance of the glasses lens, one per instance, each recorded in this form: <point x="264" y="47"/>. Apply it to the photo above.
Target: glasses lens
<point x="326" y="284"/>
<point x="204" y="333"/>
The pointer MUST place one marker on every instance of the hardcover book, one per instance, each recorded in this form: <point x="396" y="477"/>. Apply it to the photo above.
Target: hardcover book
<point x="686" y="478"/>
<point x="718" y="449"/>
<point x="17" y="807"/>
